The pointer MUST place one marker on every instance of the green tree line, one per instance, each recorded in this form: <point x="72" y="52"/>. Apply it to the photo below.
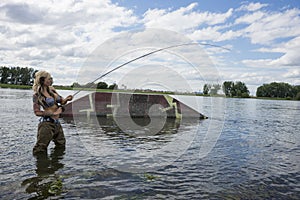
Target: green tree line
<point x="239" y="89"/>
<point x="230" y="88"/>
<point x="279" y="90"/>
<point x="16" y="75"/>
<point x="25" y="76"/>
<point x="99" y="85"/>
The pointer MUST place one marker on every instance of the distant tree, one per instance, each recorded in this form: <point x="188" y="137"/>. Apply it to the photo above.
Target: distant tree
<point x="26" y="76"/>
<point x="205" y="89"/>
<point x="214" y="89"/>
<point x="240" y="89"/>
<point x="297" y="96"/>
<point x="4" y="74"/>
<point x="261" y="91"/>
<point x="237" y="89"/>
<point x="113" y="86"/>
<point x="277" y="90"/>
<point x="227" y="88"/>
<point x="75" y="85"/>
<point x="16" y="75"/>
<point x="90" y="85"/>
<point x="211" y="89"/>
<point x="102" y="85"/>
<point x="296" y="92"/>
<point x="13" y="75"/>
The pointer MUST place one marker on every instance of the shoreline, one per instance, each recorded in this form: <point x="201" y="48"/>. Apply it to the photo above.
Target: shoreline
<point x="29" y="87"/>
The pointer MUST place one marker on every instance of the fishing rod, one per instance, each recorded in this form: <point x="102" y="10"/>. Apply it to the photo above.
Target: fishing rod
<point x="147" y="54"/>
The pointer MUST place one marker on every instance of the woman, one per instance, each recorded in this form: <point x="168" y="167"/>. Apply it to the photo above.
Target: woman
<point x="49" y="127"/>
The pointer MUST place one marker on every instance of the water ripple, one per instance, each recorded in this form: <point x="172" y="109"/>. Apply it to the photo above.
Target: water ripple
<point x="256" y="157"/>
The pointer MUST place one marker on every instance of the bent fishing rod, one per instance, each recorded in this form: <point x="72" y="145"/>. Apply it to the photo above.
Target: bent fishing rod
<point x="147" y="54"/>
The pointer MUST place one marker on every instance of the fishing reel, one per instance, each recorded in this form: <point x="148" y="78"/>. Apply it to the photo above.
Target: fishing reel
<point x="62" y="107"/>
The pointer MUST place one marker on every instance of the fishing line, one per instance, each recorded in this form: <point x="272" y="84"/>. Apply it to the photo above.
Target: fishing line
<point x="147" y="54"/>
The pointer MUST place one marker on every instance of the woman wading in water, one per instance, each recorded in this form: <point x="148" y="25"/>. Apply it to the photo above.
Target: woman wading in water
<point x="49" y="127"/>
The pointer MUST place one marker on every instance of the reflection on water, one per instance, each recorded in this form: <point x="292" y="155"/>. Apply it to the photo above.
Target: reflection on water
<point x="46" y="183"/>
<point x="122" y="126"/>
<point x="136" y="148"/>
<point x="109" y="125"/>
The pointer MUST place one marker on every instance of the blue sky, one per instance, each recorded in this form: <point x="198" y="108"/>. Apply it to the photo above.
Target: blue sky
<point x="59" y="36"/>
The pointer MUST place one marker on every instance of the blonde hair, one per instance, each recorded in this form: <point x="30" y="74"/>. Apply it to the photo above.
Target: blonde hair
<point x="37" y="80"/>
<point x="38" y="85"/>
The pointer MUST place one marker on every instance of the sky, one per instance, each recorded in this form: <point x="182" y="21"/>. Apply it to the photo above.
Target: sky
<point x="61" y="36"/>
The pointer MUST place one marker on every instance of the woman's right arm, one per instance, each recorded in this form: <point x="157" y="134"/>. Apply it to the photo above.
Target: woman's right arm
<point x="36" y="106"/>
<point x="37" y="110"/>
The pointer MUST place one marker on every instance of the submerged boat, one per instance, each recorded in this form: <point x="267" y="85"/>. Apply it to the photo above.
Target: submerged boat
<point x="135" y="105"/>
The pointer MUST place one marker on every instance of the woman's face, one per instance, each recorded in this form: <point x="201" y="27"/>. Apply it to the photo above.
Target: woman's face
<point x="51" y="80"/>
<point x="48" y="81"/>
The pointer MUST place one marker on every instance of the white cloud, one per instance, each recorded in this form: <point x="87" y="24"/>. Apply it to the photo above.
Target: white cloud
<point x="183" y="19"/>
<point x="293" y="73"/>
<point x="252" y="6"/>
<point x="258" y="63"/>
<point x="250" y="18"/>
<point x="46" y="34"/>
<point x="60" y="35"/>
<point x="291" y="56"/>
<point x="215" y="34"/>
<point x="273" y="32"/>
<point x="22" y="13"/>
<point x="265" y="28"/>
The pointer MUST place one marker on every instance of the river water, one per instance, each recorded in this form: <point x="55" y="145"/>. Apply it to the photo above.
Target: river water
<point x="249" y="151"/>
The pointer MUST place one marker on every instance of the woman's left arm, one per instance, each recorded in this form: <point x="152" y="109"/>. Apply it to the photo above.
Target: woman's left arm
<point x="65" y="100"/>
